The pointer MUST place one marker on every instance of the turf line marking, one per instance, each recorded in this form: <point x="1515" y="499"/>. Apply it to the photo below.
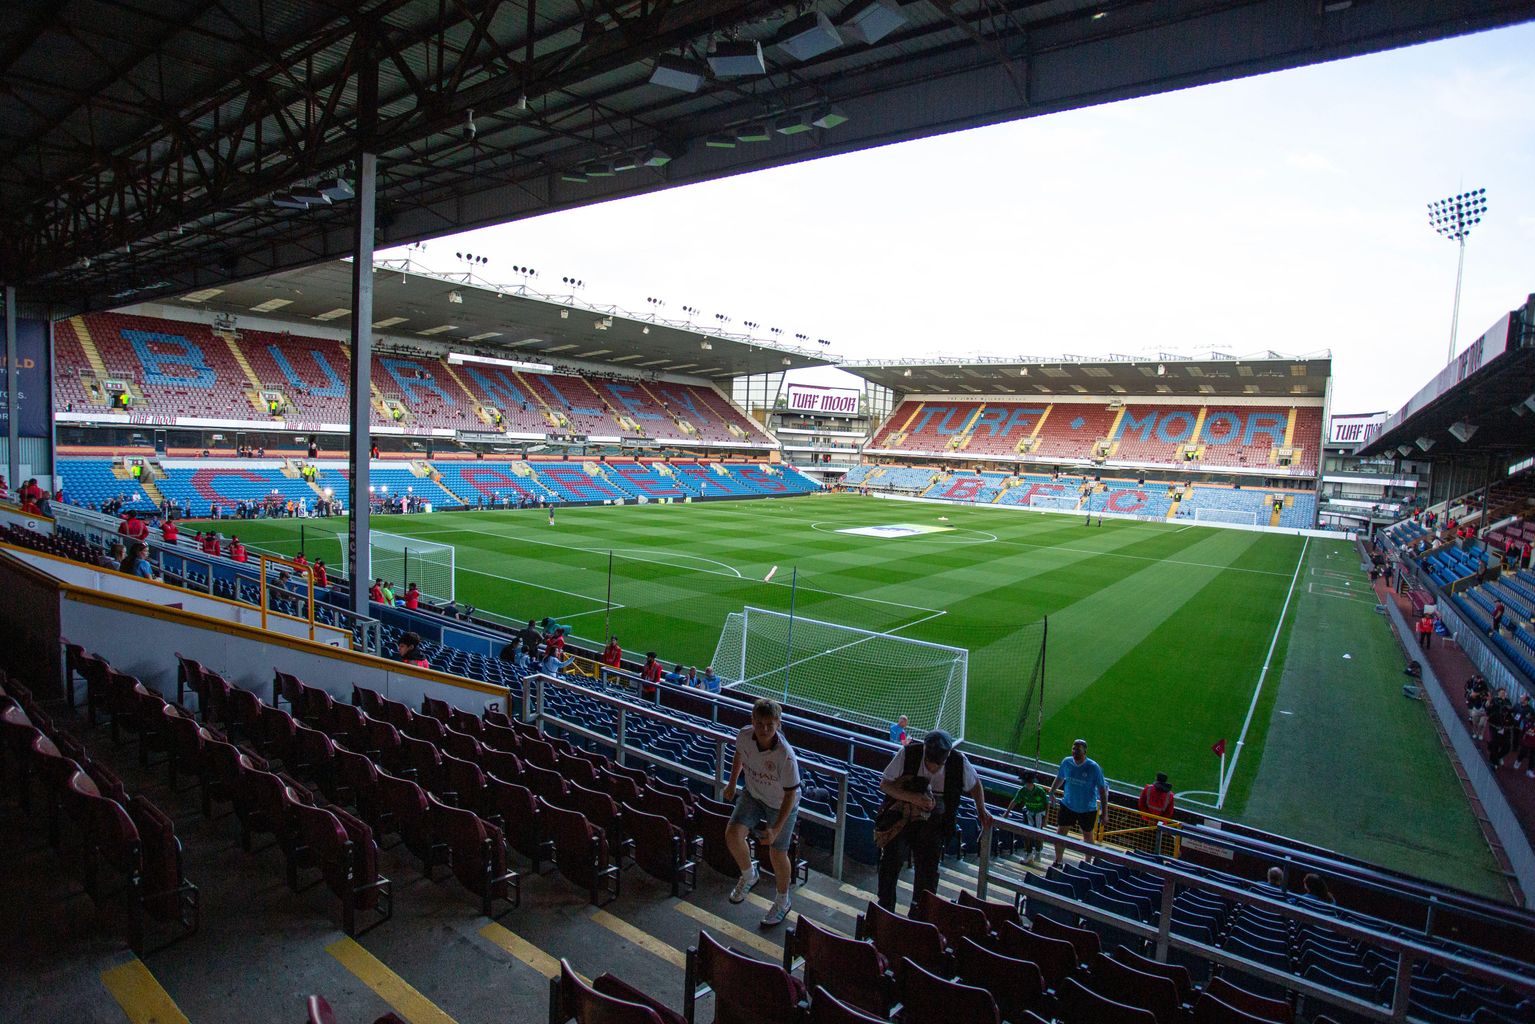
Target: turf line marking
<point x="530" y="583"/>
<point x="1268" y="659"/>
<point x="521" y="949"/>
<point x="774" y="950"/>
<point x="643" y="939"/>
<point x="140" y="995"/>
<point x="389" y="986"/>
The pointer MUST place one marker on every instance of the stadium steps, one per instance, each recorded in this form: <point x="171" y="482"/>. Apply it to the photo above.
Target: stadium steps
<point x="151" y="491"/>
<point x="437" y="479"/>
<point x="1028" y="443"/>
<point x="1172" y="508"/>
<point x="244" y="364"/>
<point x="474" y="403"/>
<point x="1274" y="515"/>
<point x="554" y="418"/>
<point x="1289" y="429"/>
<point x="92" y="353"/>
<point x="1199" y="424"/>
<point x="623" y="423"/>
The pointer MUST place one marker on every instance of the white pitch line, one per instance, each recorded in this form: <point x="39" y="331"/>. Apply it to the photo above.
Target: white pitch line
<point x="1267" y="660"/>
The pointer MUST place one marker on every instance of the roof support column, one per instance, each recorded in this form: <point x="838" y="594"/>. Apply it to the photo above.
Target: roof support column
<point x="12" y="398"/>
<point x="361" y="572"/>
<point x="1485" y="523"/>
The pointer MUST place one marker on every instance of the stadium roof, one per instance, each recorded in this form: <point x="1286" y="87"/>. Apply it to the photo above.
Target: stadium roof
<point x="1481" y="405"/>
<point x="516" y="324"/>
<point x="1264" y="375"/>
<point x="143" y="142"/>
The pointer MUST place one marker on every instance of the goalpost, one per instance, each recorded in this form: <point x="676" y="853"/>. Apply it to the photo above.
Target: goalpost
<point x="405" y="560"/>
<point x="866" y="677"/>
<point x="1069" y="502"/>
<point x="1225" y="515"/>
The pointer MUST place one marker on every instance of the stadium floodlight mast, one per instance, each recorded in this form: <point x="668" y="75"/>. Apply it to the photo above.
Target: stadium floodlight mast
<point x="1454" y="218"/>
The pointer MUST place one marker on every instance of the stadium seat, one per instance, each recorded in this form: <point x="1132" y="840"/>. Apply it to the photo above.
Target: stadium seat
<point x="571" y="999"/>
<point x="953" y="921"/>
<point x="1057" y="958"/>
<point x="1077" y="1004"/>
<point x="852" y="970"/>
<point x="1124" y="984"/>
<point x="1017" y="985"/>
<point x="899" y="938"/>
<point x="476" y="852"/>
<point x="746" y="990"/>
<point x="1278" y="1011"/>
<point x="826" y="1008"/>
<point x="927" y="998"/>
<point x="581" y="852"/>
<point x="1083" y="941"/>
<point x="514" y="809"/>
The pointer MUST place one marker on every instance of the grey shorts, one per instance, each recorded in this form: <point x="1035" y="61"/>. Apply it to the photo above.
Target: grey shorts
<point x="756" y="815"/>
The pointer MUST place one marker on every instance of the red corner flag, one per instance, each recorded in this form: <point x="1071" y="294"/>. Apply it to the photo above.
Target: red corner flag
<point x="1219" y="750"/>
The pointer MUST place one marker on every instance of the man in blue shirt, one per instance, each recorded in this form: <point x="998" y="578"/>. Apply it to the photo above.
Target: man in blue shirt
<point x="898" y="731"/>
<point x="709" y="681"/>
<point x="1084" y="794"/>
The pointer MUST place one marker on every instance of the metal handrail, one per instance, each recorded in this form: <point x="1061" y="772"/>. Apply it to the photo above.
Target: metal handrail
<point x="535" y="711"/>
<point x="1408" y="951"/>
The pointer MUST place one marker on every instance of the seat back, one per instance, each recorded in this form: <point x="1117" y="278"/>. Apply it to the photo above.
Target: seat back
<point x="160" y="857"/>
<point x="424" y="727"/>
<point x="658" y="845"/>
<point x="851" y="970"/>
<point x="571" y="999"/>
<point x="462" y="745"/>
<point x="1276" y="1010"/>
<point x="710" y="827"/>
<point x="287" y="687"/>
<point x="517" y="807"/>
<point x="1124" y="984"/>
<point x="546" y="782"/>
<point x="953" y="921"/>
<point x="900" y="938"/>
<point x="1083" y="940"/>
<point x="476" y="858"/>
<point x="997" y="914"/>
<point x="826" y="1008"/>
<point x="1210" y="1009"/>
<point x="434" y="708"/>
<point x="500" y="737"/>
<point x="927" y="998"/>
<point x="746" y="990"/>
<point x="577" y="769"/>
<point x="580" y="848"/>
<point x="1016" y="984"/>
<point x="465" y="780"/>
<point x="1077" y="1004"/>
<point x="668" y="805"/>
<point x="599" y="808"/>
<point x="424" y="758"/>
<point x="1056" y="957"/>
<point x="621" y="788"/>
<point x="1176" y="973"/>
<point x="506" y="765"/>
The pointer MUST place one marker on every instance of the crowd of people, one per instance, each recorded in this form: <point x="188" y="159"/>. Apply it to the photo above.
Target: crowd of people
<point x="1506" y="727"/>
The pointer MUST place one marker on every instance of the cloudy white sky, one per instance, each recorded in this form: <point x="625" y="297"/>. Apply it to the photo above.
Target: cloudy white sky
<point x="1285" y="212"/>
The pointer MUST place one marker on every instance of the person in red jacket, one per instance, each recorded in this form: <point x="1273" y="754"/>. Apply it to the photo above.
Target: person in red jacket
<point x="1426" y="631"/>
<point x="612" y="657"/>
<point x="1157" y="798"/>
<point x="169" y="531"/>
<point x="650" y="675"/>
<point x="133" y="528"/>
<point x="237" y="550"/>
<point x="409" y="649"/>
<point x="300" y="562"/>
<point x="412" y="597"/>
<point x="321" y="577"/>
<point x="376" y="592"/>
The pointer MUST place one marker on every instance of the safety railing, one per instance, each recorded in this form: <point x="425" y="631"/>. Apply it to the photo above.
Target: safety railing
<point x="1174" y="879"/>
<point x="536" y="710"/>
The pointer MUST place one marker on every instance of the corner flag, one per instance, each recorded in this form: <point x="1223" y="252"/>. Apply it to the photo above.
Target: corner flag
<point x="1219" y="750"/>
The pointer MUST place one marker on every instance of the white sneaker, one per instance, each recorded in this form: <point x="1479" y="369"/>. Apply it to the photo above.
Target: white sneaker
<point x="778" y="911"/>
<point x="744" y="885"/>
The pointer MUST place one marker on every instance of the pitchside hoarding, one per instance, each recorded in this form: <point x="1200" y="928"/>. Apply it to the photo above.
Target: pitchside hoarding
<point x="1351" y="431"/>
<point x="822" y="401"/>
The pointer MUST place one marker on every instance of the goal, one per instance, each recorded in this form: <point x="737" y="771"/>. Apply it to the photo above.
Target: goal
<point x="865" y="677"/>
<point x="406" y="560"/>
<point x="1226" y="515"/>
<point x="1069" y="502"/>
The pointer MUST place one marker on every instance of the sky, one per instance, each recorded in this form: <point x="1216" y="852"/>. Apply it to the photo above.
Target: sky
<point x="1285" y="212"/>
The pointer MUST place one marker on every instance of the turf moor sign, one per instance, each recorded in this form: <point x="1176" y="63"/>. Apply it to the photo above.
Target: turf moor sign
<point x="822" y="401"/>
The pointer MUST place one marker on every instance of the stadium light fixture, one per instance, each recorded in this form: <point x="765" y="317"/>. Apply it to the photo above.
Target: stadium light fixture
<point x="1462" y="430"/>
<point x="869" y="21"/>
<point x="829" y="116"/>
<point x="808" y="36"/>
<point x="678" y="73"/>
<point x="1404" y="450"/>
<point x="737" y="58"/>
<point x="1426" y="443"/>
<point x="1453" y="218"/>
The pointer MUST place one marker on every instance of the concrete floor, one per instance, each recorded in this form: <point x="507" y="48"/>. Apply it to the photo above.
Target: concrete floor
<point x="262" y="950"/>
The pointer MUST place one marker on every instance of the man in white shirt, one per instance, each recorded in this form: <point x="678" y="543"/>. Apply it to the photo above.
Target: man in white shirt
<point x="767" y="804"/>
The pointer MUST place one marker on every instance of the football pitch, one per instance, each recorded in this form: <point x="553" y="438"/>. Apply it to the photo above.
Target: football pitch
<point x="1163" y="637"/>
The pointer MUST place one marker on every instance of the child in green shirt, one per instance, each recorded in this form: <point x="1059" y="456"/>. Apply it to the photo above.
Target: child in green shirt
<point x="1034" y="801"/>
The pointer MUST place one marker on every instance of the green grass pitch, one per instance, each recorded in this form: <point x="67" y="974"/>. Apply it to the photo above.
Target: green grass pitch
<point x="1158" y="634"/>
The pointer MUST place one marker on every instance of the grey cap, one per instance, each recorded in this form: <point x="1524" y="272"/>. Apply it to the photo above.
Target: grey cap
<point x="936" y="746"/>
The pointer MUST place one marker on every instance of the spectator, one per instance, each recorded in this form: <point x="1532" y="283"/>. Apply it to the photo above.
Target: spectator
<point x="1315" y="888"/>
<point x="1498" y="611"/>
<point x="650" y="677"/>
<point x="321" y="576"/>
<point x="1157" y="798"/>
<point x="553" y="666"/>
<point x="300" y="562"/>
<point x="389" y="593"/>
<point x="555" y="644"/>
<point x="1275" y="880"/>
<point x="898" y="731"/>
<point x="612" y="658"/>
<point x="412" y="597"/>
<point x="1426" y="631"/>
<point x="1084" y="794"/>
<point x="113" y="559"/>
<point x="1526" y="737"/>
<point x="1034" y="801"/>
<point x="531" y="641"/>
<point x="237" y="550"/>
<point x="376" y="592"/>
<point x="767" y="805"/>
<point x="136" y="562"/>
<point x="508" y="653"/>
<point x="133" y="528"/>
<point x="676" y="676"/>
<point x="409" y="649"/>
<point x="928" y="778"/>
<point x="1500" y="728"/>
<point x="169" y="532"/>
<point x="709" y="681"/>
<point x="1476" y="706"/>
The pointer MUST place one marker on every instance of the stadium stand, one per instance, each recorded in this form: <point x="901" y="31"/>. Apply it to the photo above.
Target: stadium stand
<point x="175" y="369"/>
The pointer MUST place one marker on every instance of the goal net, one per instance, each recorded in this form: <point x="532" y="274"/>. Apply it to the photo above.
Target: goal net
<point x="1065" y="501"/>
<point x="865" y="677"/>
<point x="1225" y="515"/>
<point x="406" y="560"/>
